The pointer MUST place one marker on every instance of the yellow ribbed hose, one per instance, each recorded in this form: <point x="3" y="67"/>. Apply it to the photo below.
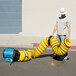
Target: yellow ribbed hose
<point x="57" y="48"/>
<point x="41" y="48"/>
<point x="60" y="49"/>
<point x="26" y="55"/>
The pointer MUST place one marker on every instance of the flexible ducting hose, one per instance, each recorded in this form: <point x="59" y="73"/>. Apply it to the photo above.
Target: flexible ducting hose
<point x="58" y="49"/>
<point x="26" y="55"/>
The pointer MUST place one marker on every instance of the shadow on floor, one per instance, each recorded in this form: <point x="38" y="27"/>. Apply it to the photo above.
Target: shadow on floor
<point x="55" y="57"/>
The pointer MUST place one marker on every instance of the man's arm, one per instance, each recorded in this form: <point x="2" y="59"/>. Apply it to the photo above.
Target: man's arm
<point x="55" y="29"/>
<point x="69" y="31"/>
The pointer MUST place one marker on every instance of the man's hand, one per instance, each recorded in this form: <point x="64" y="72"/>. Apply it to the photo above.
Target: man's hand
<point x="68" y="37"/>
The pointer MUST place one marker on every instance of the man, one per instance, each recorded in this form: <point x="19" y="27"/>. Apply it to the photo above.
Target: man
<point x="63" y="29"/>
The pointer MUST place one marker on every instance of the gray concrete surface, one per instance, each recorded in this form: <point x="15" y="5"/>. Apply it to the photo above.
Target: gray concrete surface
<point x="40" y="66"/>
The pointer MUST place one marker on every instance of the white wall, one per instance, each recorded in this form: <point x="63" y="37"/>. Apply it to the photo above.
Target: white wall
<point x="39" y="16"/>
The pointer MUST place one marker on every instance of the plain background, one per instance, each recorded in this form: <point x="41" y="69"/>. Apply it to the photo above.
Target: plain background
<point x="39" y="16"/>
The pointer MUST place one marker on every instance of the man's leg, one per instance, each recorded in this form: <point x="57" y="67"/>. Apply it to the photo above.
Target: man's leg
<point x="59" y="38"/>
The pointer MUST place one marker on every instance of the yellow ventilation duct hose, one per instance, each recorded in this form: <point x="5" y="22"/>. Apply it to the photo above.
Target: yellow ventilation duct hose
<point x="57" y="48"/>
<point x="41" y="48"/>
<point x="63" y="48"/>
<point x="26" y="55"/>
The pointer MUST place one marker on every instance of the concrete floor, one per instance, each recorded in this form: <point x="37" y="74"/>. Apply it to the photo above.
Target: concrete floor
<point x="41" y="66"/>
